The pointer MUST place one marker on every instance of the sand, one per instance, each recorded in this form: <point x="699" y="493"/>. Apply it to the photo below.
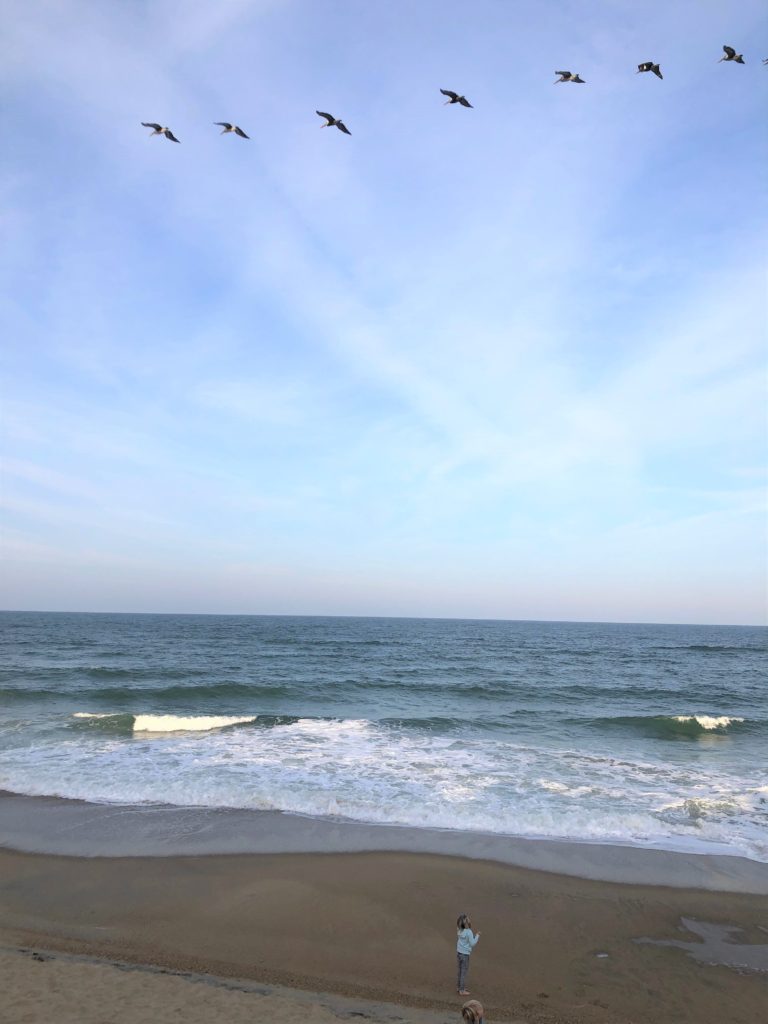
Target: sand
<point x="375" y="930"/>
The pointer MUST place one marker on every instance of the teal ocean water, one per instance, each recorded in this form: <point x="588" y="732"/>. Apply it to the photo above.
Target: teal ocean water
<point x="638" y="734"/>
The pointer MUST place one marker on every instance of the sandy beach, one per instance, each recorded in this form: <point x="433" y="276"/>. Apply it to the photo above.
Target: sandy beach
<point x="376" y="929"/>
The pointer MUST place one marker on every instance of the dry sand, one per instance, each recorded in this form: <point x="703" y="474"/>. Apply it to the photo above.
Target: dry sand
<point x="375" y="928"/>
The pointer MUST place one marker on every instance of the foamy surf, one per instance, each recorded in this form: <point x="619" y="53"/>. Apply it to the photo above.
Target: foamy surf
<point x="173" y="723"/>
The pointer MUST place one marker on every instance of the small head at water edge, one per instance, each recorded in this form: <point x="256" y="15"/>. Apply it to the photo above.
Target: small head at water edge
<point x="472" y="1012"/>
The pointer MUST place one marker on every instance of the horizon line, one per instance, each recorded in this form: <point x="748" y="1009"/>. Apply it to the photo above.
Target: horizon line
<point x="415" y="618"/>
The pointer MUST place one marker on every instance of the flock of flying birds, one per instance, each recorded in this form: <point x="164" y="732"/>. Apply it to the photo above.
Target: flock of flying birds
<point x="453" y="97"/>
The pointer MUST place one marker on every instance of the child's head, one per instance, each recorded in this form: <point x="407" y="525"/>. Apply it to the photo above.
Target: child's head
<point x="463" y="922"/>
<point x="472" y="1012"/>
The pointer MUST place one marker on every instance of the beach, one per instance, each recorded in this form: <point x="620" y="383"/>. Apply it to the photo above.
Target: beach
<point x="216" y="819"/>
<point x="376" y="929"/>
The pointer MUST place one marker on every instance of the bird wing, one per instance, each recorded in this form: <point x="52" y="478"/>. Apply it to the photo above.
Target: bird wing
<point x="328" y="117"/>
<point x="657" y="71"/>
<point x="169" y="135"/>
<point x="241" y="133"/>
<point x="730" y="51"/>
<point x="464" y="101"/>
<point x="224" y="124"/>
<point x="149" y="124"/>
<point x="566" y="74"/>
<point x="451" y="93"/>
<point x="343" y="128"/>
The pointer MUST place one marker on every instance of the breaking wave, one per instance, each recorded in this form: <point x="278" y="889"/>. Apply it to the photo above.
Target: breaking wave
<point x="161" y="723"/>
<point x="678" y="726"/>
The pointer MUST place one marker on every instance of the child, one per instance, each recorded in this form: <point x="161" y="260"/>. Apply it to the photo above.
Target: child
<point x="465" y="942"/>
<point x="472" y="1012"/>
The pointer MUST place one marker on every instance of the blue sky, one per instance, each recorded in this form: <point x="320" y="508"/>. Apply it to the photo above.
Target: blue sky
<point x="501" y="362"/>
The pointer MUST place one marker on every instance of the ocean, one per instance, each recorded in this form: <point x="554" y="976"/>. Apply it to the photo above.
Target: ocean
<point x="650" y="735"/>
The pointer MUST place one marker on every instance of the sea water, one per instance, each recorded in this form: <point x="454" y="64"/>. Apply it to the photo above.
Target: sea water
<point x="640" y="734"/>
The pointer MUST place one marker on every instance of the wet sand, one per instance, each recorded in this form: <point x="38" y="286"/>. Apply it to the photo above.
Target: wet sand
<point x="376" y="928"/>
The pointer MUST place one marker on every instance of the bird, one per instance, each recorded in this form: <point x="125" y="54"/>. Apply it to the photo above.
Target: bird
<point x="568" y="76"/>
<point x="453" y="97"/>
<point x="330" y="121"/>
<point x="159" y="130"/>
<point x="730" y="54"/>
<point x="648" y="65"/>
<point x="227" y="127"/>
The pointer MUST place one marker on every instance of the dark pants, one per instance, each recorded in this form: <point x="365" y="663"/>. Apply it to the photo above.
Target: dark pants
<point x="462" y="968"/>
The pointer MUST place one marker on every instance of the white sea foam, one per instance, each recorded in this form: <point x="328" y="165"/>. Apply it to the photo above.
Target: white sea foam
<point x="709" y="721"/>
<point x="194" y="723"/>
<point x="364" y="771"/>
<point x="176" y="723"/>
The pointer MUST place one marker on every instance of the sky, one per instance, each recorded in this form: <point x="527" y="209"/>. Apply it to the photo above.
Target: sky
<point x="499" y="362"/>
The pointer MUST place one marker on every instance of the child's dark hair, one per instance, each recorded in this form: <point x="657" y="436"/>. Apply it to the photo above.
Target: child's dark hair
<point x="462" y="922"/>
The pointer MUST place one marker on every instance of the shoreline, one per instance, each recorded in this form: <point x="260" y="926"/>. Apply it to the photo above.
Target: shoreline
<point x="378" y="928"/>
<point x="74" y="828"/>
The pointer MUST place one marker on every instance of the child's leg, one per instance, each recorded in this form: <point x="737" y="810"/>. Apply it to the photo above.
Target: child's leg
<point x="463" y="966"/>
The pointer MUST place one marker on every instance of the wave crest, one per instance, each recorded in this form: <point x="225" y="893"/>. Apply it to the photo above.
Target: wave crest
<point x="162" y="723"/>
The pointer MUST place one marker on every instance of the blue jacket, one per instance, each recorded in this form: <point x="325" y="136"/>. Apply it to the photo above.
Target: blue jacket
<point x="466" y="941"/>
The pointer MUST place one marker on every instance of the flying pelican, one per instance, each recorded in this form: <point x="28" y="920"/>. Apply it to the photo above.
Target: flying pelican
<point x="453" y="97"/>
<point x="227" y="127"/>
<point x="159" y="130"/>
<point x="648" y="65"/>
<point x="568" y="76"/>
<point x="730" y="54"/>
<point x="330" y="121"/>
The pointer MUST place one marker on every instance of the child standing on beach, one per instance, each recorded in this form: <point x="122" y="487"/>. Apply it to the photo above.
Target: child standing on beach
<point x="466" y="941"/>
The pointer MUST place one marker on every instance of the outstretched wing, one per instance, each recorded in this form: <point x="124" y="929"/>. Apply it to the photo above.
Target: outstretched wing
<point x="169" y="135"/>
<point x="567" y="74"/>
<point x="657" y="71"/>
<point x="343" y="128"/>
<point x="328" y="117"/>
<point x="224" y="124"/>
<point x="150" y="124"/>
<point x="241" y="133"/>
<point x="449" y="92"/>
<point x="730" y="51"/>
<point x="464" y="101"/>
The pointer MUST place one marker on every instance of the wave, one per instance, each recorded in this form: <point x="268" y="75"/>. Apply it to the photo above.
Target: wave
<point x="160" y="723"/>
<point x="745" y="648"/>
<point x="678" y="726"/>
<point x="188" y="694"/>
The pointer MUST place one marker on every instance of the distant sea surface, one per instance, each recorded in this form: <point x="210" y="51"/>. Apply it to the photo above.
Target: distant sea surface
<point x="642" y="734"/>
